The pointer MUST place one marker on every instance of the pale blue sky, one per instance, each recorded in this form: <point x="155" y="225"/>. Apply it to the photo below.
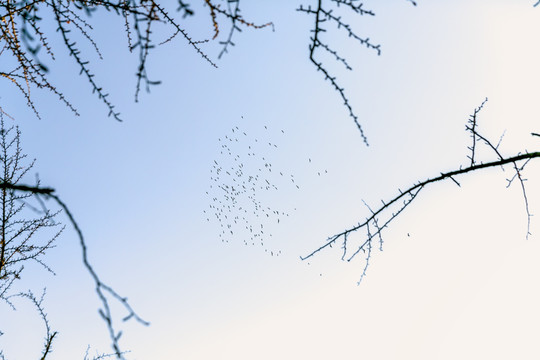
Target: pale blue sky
<point x="461" y="286"/>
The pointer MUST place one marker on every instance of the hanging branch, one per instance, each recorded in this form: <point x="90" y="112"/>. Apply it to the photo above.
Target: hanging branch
<point x="102" y="289"/>
<point x="22" y="38"/>
<point x="380" y="218"/>
<point x="19" y="245"/>
<point x="232" y="14"/>
<point x="324" y="13"/>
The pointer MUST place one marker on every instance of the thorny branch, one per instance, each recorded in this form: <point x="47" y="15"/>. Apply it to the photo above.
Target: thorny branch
<point x="325" y="13"/>
<point x="22" y="38"/>
<point x="18" y="245"/>
<point x="37" y="303"/>
<point x="380" y="218"/>
<point x="232" y="13"/>
<point x="102" y="289"/>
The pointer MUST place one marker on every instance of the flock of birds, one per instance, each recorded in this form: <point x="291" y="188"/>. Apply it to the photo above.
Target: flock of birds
<point x="245" y="185"/>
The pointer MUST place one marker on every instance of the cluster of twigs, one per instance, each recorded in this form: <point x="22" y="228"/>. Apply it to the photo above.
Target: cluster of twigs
<point x="20" y="242"/>
<point x="38" y="305"/>
<point x="380" y="218"/>
<point x="232" y="14"/>
<point x="17" y="243"/>
<point x="22" y="37"/>
<point x="326" y="13"/>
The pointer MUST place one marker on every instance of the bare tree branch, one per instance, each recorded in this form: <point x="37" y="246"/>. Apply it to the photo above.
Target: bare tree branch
<point x="379" y="219"/>
<point x="17" y="246"/>
<point x="325" y="12"/>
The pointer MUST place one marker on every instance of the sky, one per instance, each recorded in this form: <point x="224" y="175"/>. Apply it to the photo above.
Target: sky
<point x="456" y="278"/>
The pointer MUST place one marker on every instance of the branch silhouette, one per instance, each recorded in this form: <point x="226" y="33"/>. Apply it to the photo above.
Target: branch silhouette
<point x="381" y="217"/>
<point x="325" y="13"/>
<point x="22" y="39"/>
<point x="102" y="289"/>
<point x="18" y="247"/>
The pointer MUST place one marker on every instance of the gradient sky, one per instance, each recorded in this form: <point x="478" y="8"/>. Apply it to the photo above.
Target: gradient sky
<point x="456" y="277"/>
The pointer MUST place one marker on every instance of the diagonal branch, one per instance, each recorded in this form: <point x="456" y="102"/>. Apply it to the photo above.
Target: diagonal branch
<point x="378" y="219"/>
